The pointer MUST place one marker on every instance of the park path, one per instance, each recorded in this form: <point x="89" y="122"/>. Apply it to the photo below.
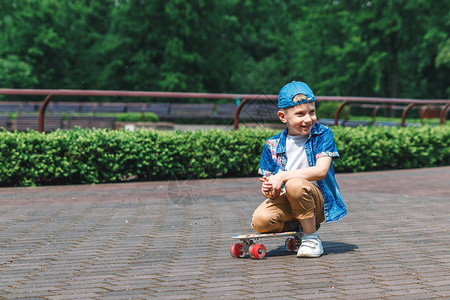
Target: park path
<point x="170" y="240"/>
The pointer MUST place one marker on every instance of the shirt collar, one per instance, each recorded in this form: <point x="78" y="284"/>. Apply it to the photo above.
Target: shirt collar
<point x="281" y="147"/>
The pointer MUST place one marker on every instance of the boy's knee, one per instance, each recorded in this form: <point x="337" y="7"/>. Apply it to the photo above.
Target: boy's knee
<point x="297" y="185"/>
<point x="300" y="195"/>
<point x="264" y="223"/>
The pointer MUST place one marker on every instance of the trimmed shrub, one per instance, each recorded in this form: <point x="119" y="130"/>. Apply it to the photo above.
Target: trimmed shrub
<point x="381" y="148"/>
<point x="100" y="156"/>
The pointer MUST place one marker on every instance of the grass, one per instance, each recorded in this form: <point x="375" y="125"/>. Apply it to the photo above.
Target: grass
<point x="120" y="117"/>
<point x="151" y="117"/>
<point x="434" y="121"/>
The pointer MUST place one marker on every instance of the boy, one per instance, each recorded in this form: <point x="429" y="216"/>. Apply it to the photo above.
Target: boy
<point x="298" y="176"/>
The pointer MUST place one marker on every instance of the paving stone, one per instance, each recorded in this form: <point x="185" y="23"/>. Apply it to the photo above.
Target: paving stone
<point x="75" y="295"/>
<point x="135" y="240"/>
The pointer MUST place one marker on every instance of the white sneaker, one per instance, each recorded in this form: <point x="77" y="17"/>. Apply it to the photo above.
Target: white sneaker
<point x="311" y="247"/>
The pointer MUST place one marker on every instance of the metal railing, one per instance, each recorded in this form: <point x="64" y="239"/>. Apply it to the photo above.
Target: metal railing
<point x="410" y="104"/>
<point x="50" y="94"/>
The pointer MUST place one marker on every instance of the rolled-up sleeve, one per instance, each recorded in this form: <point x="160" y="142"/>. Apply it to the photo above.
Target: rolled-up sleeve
<point x="267" y="166"/>
<point x="326" y="146"/>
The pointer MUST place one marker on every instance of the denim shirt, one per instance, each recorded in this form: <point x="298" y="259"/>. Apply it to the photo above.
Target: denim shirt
<point x="319" y="143"/>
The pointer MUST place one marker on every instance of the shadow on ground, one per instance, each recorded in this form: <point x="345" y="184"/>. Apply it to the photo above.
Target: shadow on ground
<point x="328" y="248"/>
<point x="337" y="247"/>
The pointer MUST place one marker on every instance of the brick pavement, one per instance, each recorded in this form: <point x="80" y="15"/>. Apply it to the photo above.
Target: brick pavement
<point x="170" y="240"/>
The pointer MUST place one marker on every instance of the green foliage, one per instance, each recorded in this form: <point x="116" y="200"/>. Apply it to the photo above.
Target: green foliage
<point x="379" y="148"/>
<point x="371" y="48"/>
<point x="327" y="109"/>
<point x="99" y="156"/>
<point x="136" y="117"/>
<point x="341" y="48"/>
<point x="15" y="73"/>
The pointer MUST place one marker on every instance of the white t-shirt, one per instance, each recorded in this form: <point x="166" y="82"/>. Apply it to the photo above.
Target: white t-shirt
<point x="296" y="154"/>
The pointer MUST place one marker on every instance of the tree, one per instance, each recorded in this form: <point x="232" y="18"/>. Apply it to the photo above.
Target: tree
<point x="375" y="48"/>
<point x="165" y="45"/>
<point x="15" y="73"/>
<point x="258" y="33"/>
<point x="388" y="48"/>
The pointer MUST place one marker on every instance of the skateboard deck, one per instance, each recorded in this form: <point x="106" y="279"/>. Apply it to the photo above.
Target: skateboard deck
<point x="247" y="243"/>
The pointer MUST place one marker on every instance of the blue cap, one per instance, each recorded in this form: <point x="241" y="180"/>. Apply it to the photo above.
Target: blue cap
<point x="288" y="92"/>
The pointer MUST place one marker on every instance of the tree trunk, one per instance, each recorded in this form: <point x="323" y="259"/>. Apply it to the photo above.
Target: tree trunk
<point x="394" y="70"/>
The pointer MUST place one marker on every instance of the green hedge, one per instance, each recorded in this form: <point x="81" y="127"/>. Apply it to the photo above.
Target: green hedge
<point x="98" y="156"/>
<point x="381" y="148"/>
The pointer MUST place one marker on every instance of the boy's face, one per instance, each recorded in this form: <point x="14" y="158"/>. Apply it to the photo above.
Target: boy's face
<point x="299" y="119"/>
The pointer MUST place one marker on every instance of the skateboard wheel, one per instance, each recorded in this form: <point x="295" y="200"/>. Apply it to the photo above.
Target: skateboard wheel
<point x="291" y="244"/>
<point x="257" y="251"/>
<point x="237" y="250"/>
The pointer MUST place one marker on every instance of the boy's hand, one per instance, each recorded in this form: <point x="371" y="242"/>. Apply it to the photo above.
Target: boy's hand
<point x="276" y="182"/>
<point x="266" y="186"/>
<point x="271" y="187"/>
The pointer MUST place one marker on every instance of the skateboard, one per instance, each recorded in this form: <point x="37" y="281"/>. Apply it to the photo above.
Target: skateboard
<point x="247" y="243"/>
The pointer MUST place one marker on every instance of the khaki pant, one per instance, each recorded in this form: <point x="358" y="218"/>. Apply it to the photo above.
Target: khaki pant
<point x="301" y="200"/>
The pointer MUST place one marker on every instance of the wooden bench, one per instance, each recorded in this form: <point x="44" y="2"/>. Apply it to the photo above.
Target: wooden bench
<point x="110" y="108"/>
<point x="59" y="107"/>
<point x="135" y="107"/>
<point x="268" y="111"/>
<point x="4" y="122"/>
<point x="6" y="107"/>
<point x="18" y="107"/>
<point x="24" y="123"/>
<point x="29" y="108"/>
<point x="90" y="122"/>
<point x="251" y="111"/>
<point x="88" y="107"/>
<point x="190" y="111"/>
<point x="259" y="112"/>
<point x="225" y="111"/>
<point x="430" y="111"/>
<point x="160" y="109"/>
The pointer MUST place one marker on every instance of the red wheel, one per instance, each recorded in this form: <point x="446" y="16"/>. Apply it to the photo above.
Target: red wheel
<point x="291" y="244"/>
<point x="257" y="251"/>
<point x="237" y="250"/>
